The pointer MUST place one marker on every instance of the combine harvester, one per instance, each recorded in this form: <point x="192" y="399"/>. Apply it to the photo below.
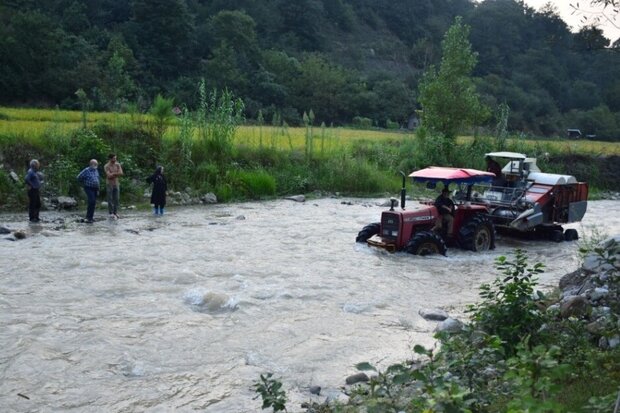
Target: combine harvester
<point x="527" y="201"/>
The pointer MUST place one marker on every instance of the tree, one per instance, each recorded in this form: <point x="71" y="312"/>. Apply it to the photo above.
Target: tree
<point x="448" y="97"/>
<point x="165" y="32"/>
<point x="603" y="10"/>
<point x="321" y="87"/>
<point x="590" y="38"/>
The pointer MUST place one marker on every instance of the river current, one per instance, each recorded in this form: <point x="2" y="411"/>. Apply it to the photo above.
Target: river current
<point x="184" y="312"/>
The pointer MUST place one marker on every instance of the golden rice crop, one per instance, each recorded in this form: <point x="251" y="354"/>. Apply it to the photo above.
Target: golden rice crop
<point x="36" y="124"/>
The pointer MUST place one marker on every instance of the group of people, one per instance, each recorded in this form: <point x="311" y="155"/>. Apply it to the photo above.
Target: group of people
<point x="90" y="180"/>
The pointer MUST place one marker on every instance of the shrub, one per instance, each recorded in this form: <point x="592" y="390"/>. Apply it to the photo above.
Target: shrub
<point x="13" y="194"/>
<point x="392" y="125"/>
<point x="224" y="192"/>
<point x="256" y="184"/>
<point x="270" y="390"/>
<point x="61" y="175"/>
<point x="362" y="122"/>
<point x="86" y="146"/>
<point x="350" y="175"/>
<point x="508" y="308"/>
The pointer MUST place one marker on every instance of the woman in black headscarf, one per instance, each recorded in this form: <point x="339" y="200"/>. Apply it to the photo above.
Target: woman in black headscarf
<point x="158" y="196"/>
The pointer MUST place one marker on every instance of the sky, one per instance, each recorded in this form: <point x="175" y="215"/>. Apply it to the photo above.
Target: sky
<point x="573" y="19"/>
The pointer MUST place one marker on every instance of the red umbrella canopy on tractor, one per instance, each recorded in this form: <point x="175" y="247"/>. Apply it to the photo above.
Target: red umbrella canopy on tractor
<point x="448" y="175"/>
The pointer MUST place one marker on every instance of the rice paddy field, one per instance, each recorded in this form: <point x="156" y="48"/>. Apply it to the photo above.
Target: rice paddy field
<point x="36" y="125"/>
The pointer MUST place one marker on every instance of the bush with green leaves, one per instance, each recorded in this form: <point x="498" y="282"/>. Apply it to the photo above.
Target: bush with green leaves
<point x="255" y="184"/>
<point x="13" y="194"/>
<point x="362" y="122"/>
<point x="270" y="390"/>
<point x="86" y="146"/>
<point x="508" y="308"/>
<point x="61" y="174"/>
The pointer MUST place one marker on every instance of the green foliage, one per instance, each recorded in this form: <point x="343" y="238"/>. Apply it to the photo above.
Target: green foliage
<point x="161" y="110"/>
<point x="219" y="114"/>
<point x="341" y="58"/>
<point x="13" y="194"/>
<point x="61" y="173"/>
<point x="270" y="390"/>
<point x="391" y="125"/>
<point x="448" y="96"/>
<point x="351" y="175"/>
<point x="86" y="146"/>
<point x="508" y="308"/>
<point x="255" y="184"/>
<point x="590" y="241"/>
<point x="224" y="192"/>
<point x="535" y="375"/>
<point x="362" y="123"/>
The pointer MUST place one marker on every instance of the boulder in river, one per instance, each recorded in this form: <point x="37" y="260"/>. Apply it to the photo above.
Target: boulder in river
<point x="433" y="314"/>
<point x="296" y="198"/>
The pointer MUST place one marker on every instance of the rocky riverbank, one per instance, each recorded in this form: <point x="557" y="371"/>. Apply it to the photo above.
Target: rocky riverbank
<point x="589" y="296"/>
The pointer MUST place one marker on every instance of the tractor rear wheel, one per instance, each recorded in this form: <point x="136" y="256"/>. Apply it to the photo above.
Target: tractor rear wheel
<point x="426" y="243"/>
<point x="368" y="231"/>
<point x="556" y="235"/>
<point x="571" y="235"/>
<point x="477" y="234"/>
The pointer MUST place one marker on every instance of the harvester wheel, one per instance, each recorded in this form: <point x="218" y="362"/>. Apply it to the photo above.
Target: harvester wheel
<point x="426" y="243"/>
<point x="557" y="236"/>
<point x="367" y="232"/>
<point x="477" y="234"/>
<point x="571" y="235"/>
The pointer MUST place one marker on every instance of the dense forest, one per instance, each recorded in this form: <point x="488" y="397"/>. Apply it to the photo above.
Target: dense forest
<point x="345" y="60"/>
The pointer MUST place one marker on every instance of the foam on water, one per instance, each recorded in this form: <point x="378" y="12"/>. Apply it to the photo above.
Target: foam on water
<point x="202" y="300"/>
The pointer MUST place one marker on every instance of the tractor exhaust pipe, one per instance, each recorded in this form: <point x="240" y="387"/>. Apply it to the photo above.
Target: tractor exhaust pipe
<point x="403" y="191"/>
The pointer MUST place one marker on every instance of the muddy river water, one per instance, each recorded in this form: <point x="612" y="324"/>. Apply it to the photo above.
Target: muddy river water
<point x="184" y="312"/>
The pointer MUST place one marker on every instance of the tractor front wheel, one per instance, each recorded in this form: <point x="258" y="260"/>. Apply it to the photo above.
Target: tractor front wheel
<point x="426" y="243"/>
<point x="367" y="232"/>
<point x="477" y="234"/>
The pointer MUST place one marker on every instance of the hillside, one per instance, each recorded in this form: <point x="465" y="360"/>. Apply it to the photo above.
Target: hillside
<point x="341" y="58"/>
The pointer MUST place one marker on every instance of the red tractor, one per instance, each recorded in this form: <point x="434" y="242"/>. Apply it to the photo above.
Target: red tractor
<point x="412" y="230"/>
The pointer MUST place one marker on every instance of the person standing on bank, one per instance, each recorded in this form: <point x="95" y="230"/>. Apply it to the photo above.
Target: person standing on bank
<point x="89" y="178"/>
<point x="158" y="196"/>
<point x="113" y="171"/>
<point x="33" y="183"/>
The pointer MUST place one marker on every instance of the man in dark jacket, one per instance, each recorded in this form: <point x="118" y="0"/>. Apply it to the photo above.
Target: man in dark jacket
<point x="445" y="207"/>
<point x="158" y="196"/>
<point x="33" y="183"/>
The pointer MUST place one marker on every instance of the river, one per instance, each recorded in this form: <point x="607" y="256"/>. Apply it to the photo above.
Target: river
<point x="184" y="312"/>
